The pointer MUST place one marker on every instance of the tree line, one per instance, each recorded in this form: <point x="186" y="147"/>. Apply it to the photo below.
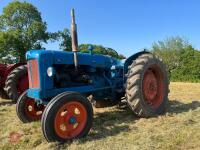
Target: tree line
<point x="22" y="28"/>
<point x="180" y="57"/>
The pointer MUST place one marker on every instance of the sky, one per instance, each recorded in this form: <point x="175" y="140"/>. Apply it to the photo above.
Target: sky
<point x="127" y="26"/>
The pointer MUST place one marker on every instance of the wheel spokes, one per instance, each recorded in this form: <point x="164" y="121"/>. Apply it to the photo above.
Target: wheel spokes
<point x="32" y="110"/>
<point x="70" y="120"/>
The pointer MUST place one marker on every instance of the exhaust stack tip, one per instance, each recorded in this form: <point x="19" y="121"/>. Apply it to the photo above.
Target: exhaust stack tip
<point x="72" y="15"/>
<point x="74" y="37"/>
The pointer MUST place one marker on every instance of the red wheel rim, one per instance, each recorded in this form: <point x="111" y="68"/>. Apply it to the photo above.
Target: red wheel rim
<point x="70" y="120"/>
<point x="153" y="86"/>
<point x="32" y="110"/>
<point x="22" y="84"/>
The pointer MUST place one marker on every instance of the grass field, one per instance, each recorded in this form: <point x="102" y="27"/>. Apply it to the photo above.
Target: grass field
<point x="118" y="128"/>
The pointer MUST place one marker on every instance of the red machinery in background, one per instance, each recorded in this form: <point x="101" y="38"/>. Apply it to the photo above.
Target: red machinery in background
<point x="13" y="80"/>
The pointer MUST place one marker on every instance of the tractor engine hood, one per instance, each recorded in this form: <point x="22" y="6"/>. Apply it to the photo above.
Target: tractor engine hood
<point x="41" y="85"/>
<point x="62" y="57"/>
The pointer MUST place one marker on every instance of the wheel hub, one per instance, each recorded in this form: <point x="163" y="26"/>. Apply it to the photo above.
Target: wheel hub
<point x="153" y="86"/>
<point x="150" y="86"/>
<point x="72" y="120"/>
<point x="32" y="110"/>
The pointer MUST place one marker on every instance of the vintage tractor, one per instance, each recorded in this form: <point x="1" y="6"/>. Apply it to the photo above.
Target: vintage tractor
<point x="13" y="80"/>
<point x="60" y="82"/>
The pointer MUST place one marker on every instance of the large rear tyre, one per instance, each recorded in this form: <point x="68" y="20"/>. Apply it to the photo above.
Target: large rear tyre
<point x="17" y="82"/>
<point x="28" y="110"/>
<point x="67" y="116"/>
<point x="147" y="86"/>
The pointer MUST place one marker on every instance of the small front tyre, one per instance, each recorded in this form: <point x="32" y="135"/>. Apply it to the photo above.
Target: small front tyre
<point x="27" y="109"/>
<point x="67" y="116"/>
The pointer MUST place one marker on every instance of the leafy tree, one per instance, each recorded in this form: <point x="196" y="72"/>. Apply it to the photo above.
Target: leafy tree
<point x="189" y="68"/>
<point x="170" y="50"/>
<point x="21" y="29"/>
<point x="182" y="60"/>
<point x="98" y="49"/>
<point x="121" y="56"/>
<point x="65" y="38"/>
<point x="112" y="52"/>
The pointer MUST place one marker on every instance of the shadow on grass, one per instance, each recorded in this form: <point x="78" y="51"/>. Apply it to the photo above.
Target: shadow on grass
<point x="177" y="107"/>
<point x="106" y="124"/>
<point x="3" y="103"/>
<point x="111" y="123"/>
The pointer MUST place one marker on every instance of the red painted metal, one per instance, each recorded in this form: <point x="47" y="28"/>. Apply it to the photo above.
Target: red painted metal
<point x="32" y="110"/>
<point x="22" y="84"/>
<point x="34" y="78"/>
<point x="70" y="120"/>
<point x="153" y="86"/>
<point x="3" y="68"/>
<point x="6" y="69"/>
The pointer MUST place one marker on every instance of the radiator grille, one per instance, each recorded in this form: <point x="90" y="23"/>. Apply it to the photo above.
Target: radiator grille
<point x="33" y="74"/>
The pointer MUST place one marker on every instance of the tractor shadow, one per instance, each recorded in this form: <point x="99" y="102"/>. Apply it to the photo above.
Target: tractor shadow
<point x="118" y="120"/>
<point x="176" y="107"/>
<point x="111" y="123"/>
<point x="6" y="102"/>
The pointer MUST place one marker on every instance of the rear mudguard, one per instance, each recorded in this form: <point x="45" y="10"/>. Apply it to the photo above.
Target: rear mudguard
<point x="130" y="60"/>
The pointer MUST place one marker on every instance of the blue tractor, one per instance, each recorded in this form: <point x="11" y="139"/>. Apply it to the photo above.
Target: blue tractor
<point x="61" y="82"/>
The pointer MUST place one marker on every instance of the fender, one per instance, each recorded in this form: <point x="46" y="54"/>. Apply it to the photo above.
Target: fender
<point x="11" y="67"/>
<point x="6" y="70"/>
<point x="130" y="59"/>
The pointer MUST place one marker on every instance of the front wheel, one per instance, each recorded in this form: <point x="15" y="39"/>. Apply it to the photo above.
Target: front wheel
<point x="147" y="86"/>
<point x="27" y="109"/>
<point x="67" y="116"/>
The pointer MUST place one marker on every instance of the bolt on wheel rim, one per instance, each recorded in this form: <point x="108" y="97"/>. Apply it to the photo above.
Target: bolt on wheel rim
<point x="32" y="110"/>
<point x="70" y="120"/>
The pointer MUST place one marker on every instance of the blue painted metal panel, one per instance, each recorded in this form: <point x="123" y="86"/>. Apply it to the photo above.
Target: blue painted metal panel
<point x="41" y="94"/>
<point x="47" y="58"/>
<point x="61" y="57"/>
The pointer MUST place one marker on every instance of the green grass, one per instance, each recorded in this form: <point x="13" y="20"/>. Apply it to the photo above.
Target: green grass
<point x="118" y="128"/>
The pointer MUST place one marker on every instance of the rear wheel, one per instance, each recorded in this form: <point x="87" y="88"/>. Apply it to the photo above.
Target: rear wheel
<point x="17" y="82"/>
<point x="28" y="110"/>
<point x="147" y="86"/>
<point x="67" y="116"/>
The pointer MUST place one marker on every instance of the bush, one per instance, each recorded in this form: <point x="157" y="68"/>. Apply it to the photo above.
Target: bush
<point x="182" y="60"/>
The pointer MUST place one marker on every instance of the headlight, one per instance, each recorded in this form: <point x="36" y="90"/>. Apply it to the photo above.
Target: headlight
<point x="50" y="71"/>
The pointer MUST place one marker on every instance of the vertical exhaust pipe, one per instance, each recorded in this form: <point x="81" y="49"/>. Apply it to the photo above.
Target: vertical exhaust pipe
<point x="74" y="39"/>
